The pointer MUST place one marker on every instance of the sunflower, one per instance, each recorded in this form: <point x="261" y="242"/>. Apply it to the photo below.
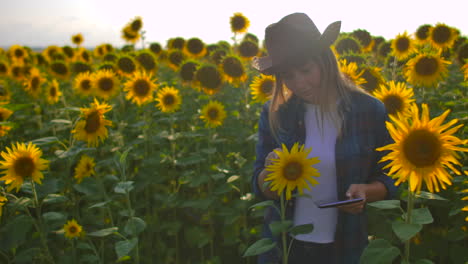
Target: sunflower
<point x="84" y="168"/>
<point x="156" y="48"/>
<point x="423" y="149"/>
<point x="397" y="98"/>
<point x="462" y="53"/>
<point x="4" y="130"/>
<point x="3" y="200"/>
<point x="136" y="24"/>
<point x="50" y="52"/>
<point x="239" y="23"/>
<point x="83" y="84"/>
<point x="84" y="55"/>
<point x="248" y="49"/>
<point x="60" y="69"/>
<point x="402" y="46"/>
<point x="442" y="36"/>
<point x="17" y="53"/>
<point x="110" y="57"/>
<point x="373" y="78"/>
<point x="93" y="126"/>
<point x="233" y="70"/>
<point x="5" y="93"/>
<point x="426" y="70"/>
<point x="77" y="39"/>
<point x="350" y="71"/>
<point x="80" y="66"/>
<point x="100" y="51"/>
<point x="18" y="71"/>
<point x="213" y="114"/>
<point x="293" y="169"/>
<point x="22" y="162"/>
<point x="139" y="88"/>
<point x="5" y="114"/>
<point x="126" y="65"/>
<point x="176" y="43"/>
<point x="187" y="70"/>
<point x="129" y="35"/>
<point x="217" y="55"/>
<point x="147" y="61"/>
<point x="364" y="38"/>
<point x="422" y="33"/>
<point x="175" y="58"/>
<point x="262" y="87"/>
<point x="4" y="68"/>
<point x="347" y="44"/>
<point x="72" y="229"/>
<point x="195" y="48"/>
<point x="208" y="78"/>
<point x="53" y="92"/>
<point x="465" y="71"/>
<point x="106" y="84"/>
<point x="33" y="83"/>
<point x="168" y="99"/>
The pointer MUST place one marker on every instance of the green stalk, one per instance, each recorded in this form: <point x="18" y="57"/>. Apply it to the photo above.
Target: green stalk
<point x="283" y="234"/>
<point x="39" y="225"/>
<point x="409" y="211"/>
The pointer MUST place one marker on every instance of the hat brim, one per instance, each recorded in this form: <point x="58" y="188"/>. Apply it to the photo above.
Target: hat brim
<point x="265" y="64"/>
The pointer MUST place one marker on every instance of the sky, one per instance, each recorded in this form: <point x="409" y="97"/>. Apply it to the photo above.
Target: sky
<point x="52" y="22"/>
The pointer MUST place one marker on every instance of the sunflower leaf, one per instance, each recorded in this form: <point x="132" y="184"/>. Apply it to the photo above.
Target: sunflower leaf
<point x="123" y="248"/>
<point x="104" y="232"/>
<point x="405" y="231"/>
<point x="278" y="227"/>
<point x="124" y="187"/>
<point x="430" y="196"/>
<point x="379" y="251"/>
<point x="261" y="246"/>
<point x="301" y="229"/>
<point x="386" y="204"/>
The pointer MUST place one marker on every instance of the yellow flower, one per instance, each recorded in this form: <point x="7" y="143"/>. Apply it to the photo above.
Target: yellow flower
<point x="77" y="39"/>
<point x="396" y="97"/>
<point x="84" y="168"/>
<point x="17" y="53"/>
<point x="140" y="88"/>
<point x="33" y="83"/>
<point x="126" y="65"/>
<point x="442" y="36"/>
<point x="5" y="114"/>
<point x="168" y="99"/>
<point x="426" y="70"/>
<point x="213" y="114"/>
<point x="106" y="84"/>
<point x="22" y="162"/>
<point x="60" y="70"/>
<point x="4" y="92"/>
<point x="208" y="78"/>
<point x="293" y="169"/>
<point x="262" y="87"/>
<point x="422" y="150"/>
<point x="422" y="33"/>
<point x="175" y="58"/>
<point x="402" y="46"/>
<point x="83" y="84"/>
<point x="93" y="126"/>
<point x="373" y="78"/>
<point x="239" y="23"/>
<point x="53" y="92"/>
<point x="233" y="70"/>
<point x="129" y="35"/>
<point x="465" y="71"/>
<point x="350" y="71"/>
<point x="72" y="229"/>
<point x="247" y="49"/>
<point x="4" y="68"/>
<point x="195" y="48"/>
<point x="50" y="52"/>
<point x="147" y="61"/>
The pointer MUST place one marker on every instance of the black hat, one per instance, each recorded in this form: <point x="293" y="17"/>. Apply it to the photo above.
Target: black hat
<point x="294" y="37"/>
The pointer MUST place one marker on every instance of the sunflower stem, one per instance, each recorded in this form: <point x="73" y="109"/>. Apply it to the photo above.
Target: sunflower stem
<point x="283" y="234"/>
<point x="409" y="211"/>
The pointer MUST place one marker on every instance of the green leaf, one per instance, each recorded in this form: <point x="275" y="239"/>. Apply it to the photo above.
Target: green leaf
<point x="124" y="155"/>
<point x="22" y="203"/>
<point x="54" y="198"/>
<point x="83" y="245"/>
<point x="430" y="196"/>
<point x="208" y="151"/>
<point x="261" y="246"/>
<point x="196" y="236"/>
<point x="104" y="232"/>
<point x="26" y="256"/>
<point x="99" y="205"/>
<point x="217" y="176"/>
<point x="405" y="231"/>
<point x="263" y="204"/>
<point x="45" y="140"/>
<point x="386" y="204"/>
<point x="277" y="227"/>
<point x="134" y="226"/>
<point x="61" y="121"/>
<point x="301" y="229"/>
<point x="124" y="187"/>
<point x="123" y="248"/>
<point x="379" y="251"/>
<point x="88" y="188"/>
<point x="190" y="160"/>
<point x="54" y="216"/>
<point x="14" y="232"/>
<point x="233" y="178"/>
<point x="423" y="261"/>
<point x="421" y="216"/>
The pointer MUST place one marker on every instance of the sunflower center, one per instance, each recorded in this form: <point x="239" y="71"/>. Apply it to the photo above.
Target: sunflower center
<point x="292" y="171"/>
<point x="19" y="53"/>
<point x="53" y="92"/>
<point x="85" y="85"/>
<point x="248" y="49"/>
<point x="426" y="66"/>
<point x="209" y="77"/>
<point x="85" y="56"/>
<point x="441" y="34"/>
<point x="371" y="81"/>
<point x="168" y="100"/>
<point x="24" y="167"/>
<point x="213" y="114"/>
<point x="267" y="87"/>
<point x="147" y="61"/>
<point x="73" y="229"/>
<point x="136" y="25"/>
<point x="16" y="71"/>
<point x="126" y="65"/>
<point x="93" y="122"/>
<point x="141" y="88"/>
<point x="238" y="23"/>
<point x="2" y="118"/>
<point x="195" y="46"/>
<point x="348" y="45"/>
<point x="35" y="81"/>
<point x="393" y="104"/>
<point x="3" y="68"/>
<point x="59" y="68"/>
<point x="402" y="44"/>
<point x="422" y="32"/>
<point x="88" y="167"/>
<point x="233" y="67"/>
<point x="176" y="58"/>
<point x="106" y="84"/>
<point x="187" y="71"/>
<point x="422" y="148"/>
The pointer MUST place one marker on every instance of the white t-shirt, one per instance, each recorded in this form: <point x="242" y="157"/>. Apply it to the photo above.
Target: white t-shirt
<point x="306" y="210"/>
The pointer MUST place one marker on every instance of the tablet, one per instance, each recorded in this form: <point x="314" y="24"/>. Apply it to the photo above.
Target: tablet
<point x="338" y="203"/>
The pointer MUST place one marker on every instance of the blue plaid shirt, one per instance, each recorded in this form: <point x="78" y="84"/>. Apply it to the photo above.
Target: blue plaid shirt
<point x="363" y="131"/>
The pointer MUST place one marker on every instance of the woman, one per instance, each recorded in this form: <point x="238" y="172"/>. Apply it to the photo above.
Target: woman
<point x="313" y="104"/>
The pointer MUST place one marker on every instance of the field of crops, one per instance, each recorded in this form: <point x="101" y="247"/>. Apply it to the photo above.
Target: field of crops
<point x="144" y="153"/>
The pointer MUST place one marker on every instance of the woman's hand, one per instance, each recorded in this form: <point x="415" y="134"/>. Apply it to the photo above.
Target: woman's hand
<point x="355" y="191"/>
<point x="263" y="174"/>
<point x="269" y="158"/>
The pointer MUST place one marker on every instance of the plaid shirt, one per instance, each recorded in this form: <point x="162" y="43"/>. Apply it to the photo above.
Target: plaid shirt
<point x="363" y="131"/>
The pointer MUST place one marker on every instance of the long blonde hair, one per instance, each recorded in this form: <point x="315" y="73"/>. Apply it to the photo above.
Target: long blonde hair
<point x="334" y="87"/>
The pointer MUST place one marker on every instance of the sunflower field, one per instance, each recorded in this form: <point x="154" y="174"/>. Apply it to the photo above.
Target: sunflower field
<point x="144" y="153"/>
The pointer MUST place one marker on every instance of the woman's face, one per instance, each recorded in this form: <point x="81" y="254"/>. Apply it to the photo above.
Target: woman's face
<point x="304" y="81"/>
